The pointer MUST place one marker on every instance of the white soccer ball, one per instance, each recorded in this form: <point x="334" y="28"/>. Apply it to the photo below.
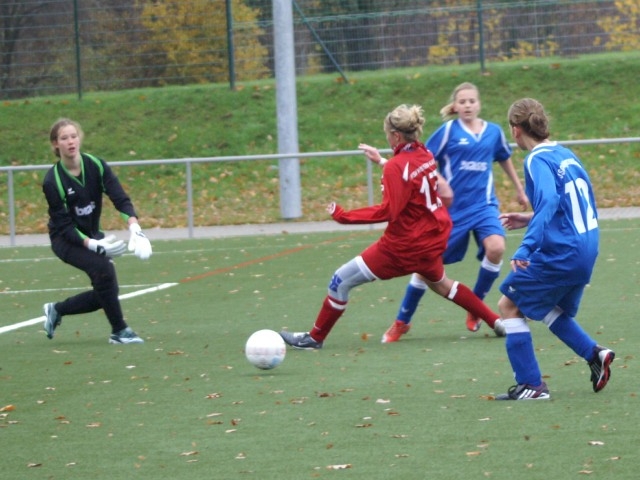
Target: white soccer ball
<point x="265" y="349"/>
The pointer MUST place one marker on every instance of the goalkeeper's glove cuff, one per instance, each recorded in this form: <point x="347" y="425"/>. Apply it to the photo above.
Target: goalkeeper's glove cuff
<point x="108" y="246"/>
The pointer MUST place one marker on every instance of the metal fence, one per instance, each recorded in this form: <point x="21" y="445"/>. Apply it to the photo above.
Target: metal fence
<point x="50" y="47"/>
<point x="189" y="162"/>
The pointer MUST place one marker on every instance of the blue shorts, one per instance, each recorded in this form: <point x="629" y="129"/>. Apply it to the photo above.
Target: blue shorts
<point x="536" y="299"/>
<point x="482" y="224"/>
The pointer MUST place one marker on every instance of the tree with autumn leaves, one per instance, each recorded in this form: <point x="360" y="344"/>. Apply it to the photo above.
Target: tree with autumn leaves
<point x="123" y="44"/>
<point x="622" y="29"/>
<point x="184" y="40"/>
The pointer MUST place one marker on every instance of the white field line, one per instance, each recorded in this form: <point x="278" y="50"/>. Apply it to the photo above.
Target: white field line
<point x="67" y="289"/>
<point x="137" y="293"/>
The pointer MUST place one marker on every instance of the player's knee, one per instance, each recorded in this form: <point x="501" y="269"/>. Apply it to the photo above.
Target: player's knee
<point x="104" y="279"/>
<point x="349" y="275"/>
<point x="494" y="248"/>
<point x="507" y="308"/>
<point x="337" y="288"/>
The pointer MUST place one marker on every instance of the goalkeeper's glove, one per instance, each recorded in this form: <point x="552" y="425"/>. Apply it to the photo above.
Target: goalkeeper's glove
<point x="108" y="246"/>
<point x="139" y="244"/>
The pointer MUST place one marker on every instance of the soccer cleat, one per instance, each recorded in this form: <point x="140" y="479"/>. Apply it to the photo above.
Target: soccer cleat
<point x="526" y="392"/>
<point x="498" y="329"/>
<point x="300" y="340"/>
<point x="395" y="331"/>
<point x="126" y="335"/>
<point x="52" y="319"/>
<point x="473" y="322"/>
<point x="600" y="371"/>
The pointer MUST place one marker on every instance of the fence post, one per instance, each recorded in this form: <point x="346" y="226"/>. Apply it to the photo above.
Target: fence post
<point x="12" y="209"/>
<point x="286" y="109"/>
<point x="230" y="49"/>
<point x="189" y="181"/>
<point x="76" y="24"/>
<point x="481" y="36"/>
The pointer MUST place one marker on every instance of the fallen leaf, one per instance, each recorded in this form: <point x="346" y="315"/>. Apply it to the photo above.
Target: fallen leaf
<point x="339" y="467"/>
<point x="7" y="408"/>
<point x="188" y="454"/>
<point x="596" y="443"/>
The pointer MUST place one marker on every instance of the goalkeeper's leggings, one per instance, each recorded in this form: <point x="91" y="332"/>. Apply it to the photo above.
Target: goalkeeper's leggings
<point x="102" y="274"/>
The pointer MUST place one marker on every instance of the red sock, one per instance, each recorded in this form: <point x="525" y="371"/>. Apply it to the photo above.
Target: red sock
<point x="328" y="315"/>
<point x="462" y="295"/>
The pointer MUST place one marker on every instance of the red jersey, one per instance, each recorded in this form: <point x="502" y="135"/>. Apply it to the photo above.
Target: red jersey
<point x="419" y="224"/>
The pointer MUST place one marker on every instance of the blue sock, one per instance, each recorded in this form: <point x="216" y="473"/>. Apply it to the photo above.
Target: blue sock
<point x="523" y="359"/>
<point x="410" y="302"/>
<point x="488" y="273"/>
<point x="571" y="333"/>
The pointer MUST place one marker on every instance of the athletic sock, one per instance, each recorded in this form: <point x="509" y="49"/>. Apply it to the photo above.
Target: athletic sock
<point x="462" y="295"/>
<point x="487" y="274"/>
<point x="328" y="315"/>
<point x="523" y="359"/>
<point x="571" y="333"/>
<point x="411" y="299"/>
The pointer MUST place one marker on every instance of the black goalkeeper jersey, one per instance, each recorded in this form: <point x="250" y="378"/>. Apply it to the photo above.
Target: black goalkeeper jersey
<point x="75" y="203"/>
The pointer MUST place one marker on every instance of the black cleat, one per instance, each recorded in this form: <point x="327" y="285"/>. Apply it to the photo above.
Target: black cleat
<point x="300" y="340"/>
<point x="526" y="392"/>
<point x="600" y="371"/>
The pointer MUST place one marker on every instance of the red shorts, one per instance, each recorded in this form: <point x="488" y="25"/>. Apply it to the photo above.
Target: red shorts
<point x="385" y="265"/>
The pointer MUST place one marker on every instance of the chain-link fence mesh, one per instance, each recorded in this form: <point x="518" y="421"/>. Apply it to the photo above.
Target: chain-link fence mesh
<point x="70" y="46"/>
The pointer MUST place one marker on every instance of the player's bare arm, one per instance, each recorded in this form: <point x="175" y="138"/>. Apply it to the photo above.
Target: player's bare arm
<point x="513" y="221"/>
<point x="521" y="196"/>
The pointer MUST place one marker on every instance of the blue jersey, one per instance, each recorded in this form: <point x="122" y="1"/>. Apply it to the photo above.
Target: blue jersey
<point x="466" y="159"/>
<point x="562" y="238"/>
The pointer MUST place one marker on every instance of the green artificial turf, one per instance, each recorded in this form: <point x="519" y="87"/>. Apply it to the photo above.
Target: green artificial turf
<point x="187" y="404"/>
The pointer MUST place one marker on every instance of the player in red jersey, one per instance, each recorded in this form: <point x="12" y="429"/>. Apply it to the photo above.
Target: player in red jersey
<point x="414" y="239"/>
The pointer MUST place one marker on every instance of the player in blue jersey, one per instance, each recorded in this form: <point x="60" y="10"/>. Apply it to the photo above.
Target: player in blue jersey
<point x="554" y="262"/>
<point x="465" y="146"/>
